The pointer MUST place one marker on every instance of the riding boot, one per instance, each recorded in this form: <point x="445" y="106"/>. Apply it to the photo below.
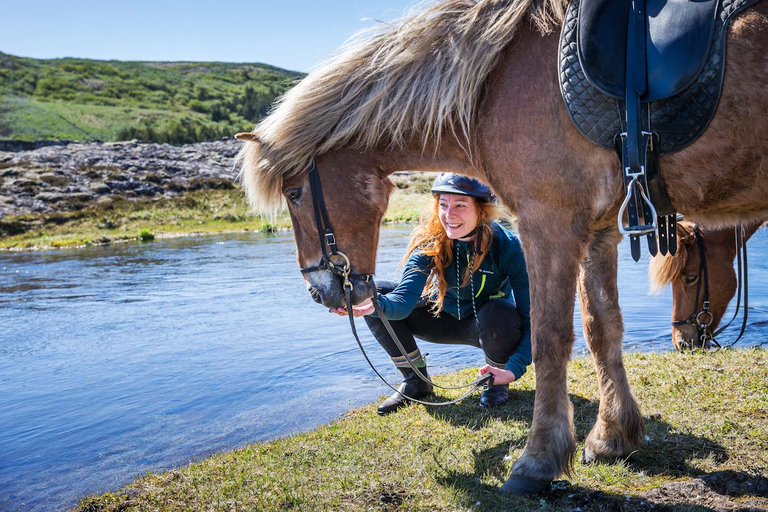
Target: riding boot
<point x="495" y="396"/>
<point x="412" y="386"/>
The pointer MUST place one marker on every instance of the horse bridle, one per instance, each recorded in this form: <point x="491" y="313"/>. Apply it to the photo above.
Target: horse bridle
<point x="703" y="318"/>
<point x="327" y="238"/>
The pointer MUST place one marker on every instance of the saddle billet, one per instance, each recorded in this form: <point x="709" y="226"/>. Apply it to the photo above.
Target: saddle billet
<point x="673" y="104"/>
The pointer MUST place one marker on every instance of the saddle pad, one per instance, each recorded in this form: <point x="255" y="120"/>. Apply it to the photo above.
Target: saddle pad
<point x="678" y="34"/>
<point x="679" y="120"/>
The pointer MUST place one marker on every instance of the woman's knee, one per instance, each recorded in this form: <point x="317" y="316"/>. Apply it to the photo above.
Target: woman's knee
<point x="500" y="312"/>
<point x="500" y="324"/>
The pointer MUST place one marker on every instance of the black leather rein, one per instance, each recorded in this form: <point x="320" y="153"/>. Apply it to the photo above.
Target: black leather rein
<point x="328" y="239"/>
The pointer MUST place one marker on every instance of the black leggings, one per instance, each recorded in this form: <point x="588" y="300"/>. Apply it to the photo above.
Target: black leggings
<point x="500" y="325"/>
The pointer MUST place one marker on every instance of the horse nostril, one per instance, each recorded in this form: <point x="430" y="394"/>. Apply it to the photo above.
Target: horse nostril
<point x="315" y="294"/>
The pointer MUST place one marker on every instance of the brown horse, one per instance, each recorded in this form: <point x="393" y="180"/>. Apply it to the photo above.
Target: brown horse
<point x="472" y="87"/>
<point x="684" y="272"/>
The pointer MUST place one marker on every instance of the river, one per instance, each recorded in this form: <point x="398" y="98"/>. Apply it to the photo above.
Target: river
<point x="122" y="359"/>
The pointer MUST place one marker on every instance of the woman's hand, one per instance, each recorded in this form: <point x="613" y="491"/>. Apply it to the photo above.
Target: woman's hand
<point x="362" y="309"/>
<point x="500" y="375"/>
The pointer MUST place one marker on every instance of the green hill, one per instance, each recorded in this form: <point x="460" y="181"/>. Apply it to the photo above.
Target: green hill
<point x="175" y="102"/>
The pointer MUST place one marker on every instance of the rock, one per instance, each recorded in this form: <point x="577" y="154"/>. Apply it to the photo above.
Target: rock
<point x="66" y="176"/>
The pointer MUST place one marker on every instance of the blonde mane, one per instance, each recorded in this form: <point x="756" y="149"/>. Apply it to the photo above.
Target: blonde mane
<point x="665" y="269"/>
<point x="416" y="79"/>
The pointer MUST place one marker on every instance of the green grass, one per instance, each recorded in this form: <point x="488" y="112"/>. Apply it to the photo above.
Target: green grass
<point x="704" y="413"/>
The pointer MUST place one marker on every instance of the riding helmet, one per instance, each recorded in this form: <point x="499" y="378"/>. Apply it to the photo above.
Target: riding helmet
<point x="451" y="183"/>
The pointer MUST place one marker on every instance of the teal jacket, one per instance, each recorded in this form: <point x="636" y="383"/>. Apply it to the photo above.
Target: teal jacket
<point x="501" y="276"/>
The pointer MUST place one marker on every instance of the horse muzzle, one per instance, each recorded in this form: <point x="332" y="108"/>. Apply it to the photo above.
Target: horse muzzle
<point x="688" y="337"/>
<point x="329" y="291"/>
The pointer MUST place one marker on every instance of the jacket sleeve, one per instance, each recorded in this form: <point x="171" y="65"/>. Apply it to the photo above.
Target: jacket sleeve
<point x="399" y="303"/>
<point x="513" y="266"/>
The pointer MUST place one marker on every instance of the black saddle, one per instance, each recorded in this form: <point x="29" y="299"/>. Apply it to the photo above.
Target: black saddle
<point x="677" y="42"/>
<point x="644" y="77"/>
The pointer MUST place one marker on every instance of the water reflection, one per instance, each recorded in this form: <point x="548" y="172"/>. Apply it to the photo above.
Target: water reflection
<point x="118" y="360"/>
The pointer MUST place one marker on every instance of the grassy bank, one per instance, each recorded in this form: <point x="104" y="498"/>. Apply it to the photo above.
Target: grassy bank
<point x="199" y="212"/>
<point x="705" y="418"/>
<point x="175" y="102"/>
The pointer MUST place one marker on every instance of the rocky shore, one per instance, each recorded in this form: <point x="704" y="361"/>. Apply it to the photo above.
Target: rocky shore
<point x="69" y="176"/>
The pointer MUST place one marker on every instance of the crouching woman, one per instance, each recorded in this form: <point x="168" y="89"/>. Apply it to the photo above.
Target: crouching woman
<point x="464" y="282"/>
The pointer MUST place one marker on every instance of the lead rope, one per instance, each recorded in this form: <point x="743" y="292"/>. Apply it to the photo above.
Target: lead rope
<point x="479" y="382"/>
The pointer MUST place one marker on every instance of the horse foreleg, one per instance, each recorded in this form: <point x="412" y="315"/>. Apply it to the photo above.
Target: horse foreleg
<point x="619" y="427"/>
<point x="553" y="263"/>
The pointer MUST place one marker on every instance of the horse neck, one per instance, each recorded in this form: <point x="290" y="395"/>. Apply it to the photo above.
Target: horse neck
<point x="448" y="156"/>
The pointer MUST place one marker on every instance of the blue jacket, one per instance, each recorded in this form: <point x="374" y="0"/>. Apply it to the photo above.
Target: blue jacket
<point x="502" y="275"/>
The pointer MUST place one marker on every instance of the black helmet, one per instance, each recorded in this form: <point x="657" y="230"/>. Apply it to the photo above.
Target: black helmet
<point x="451" y="183"/>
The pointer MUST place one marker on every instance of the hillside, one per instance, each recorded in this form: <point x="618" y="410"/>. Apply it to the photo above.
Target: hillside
<point x="174" y="102"/>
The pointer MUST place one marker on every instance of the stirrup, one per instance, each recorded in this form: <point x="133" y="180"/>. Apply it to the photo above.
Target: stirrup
<point x="640" y="229"/>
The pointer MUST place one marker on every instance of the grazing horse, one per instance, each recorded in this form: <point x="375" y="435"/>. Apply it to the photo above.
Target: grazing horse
<point x="684" y="271"/>
<point x="472" y="87"/>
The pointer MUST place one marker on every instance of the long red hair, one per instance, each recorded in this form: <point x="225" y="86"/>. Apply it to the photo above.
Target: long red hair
<point x="429" y="238"/>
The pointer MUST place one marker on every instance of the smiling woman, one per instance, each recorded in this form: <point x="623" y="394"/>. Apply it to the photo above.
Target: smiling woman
<point x="464" y="282"/>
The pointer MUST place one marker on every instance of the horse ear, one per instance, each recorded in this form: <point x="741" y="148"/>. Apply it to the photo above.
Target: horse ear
<point x="248" y="136"/>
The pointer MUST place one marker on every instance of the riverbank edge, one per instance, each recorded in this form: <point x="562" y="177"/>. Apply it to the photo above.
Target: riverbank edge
<point x="705" y="448"/>
<point x="208" y="212"/>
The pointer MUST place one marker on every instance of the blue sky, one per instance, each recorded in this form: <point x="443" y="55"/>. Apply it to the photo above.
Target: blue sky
<point x="292" y="34"/>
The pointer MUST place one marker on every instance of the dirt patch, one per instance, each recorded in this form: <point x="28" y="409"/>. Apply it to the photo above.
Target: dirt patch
<point x="723" y="490"/>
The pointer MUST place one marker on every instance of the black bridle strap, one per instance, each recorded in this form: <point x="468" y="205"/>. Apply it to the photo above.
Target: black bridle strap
<point x="325" y="234"/>
<point x="321" y="215"/>
<point x="703" y="276"/>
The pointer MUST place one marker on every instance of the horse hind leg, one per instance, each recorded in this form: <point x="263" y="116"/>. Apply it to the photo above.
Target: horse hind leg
<point x="619" y="427"/>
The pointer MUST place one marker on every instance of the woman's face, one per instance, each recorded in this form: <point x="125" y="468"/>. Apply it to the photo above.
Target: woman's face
<point x="458" y="215"/>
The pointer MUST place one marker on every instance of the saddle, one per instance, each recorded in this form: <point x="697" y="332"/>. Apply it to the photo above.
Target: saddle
<point x="677" y="39"/>
<point x="644" y="77"/>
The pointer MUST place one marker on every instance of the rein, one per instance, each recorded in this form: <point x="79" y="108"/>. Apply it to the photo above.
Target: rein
<point x="327" y="238"/>
<point x="703" y="318"/>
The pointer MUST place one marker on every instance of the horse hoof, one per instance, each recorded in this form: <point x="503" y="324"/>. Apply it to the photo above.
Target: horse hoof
<point x="517" y="484"/>
<point x="588" y="456"/>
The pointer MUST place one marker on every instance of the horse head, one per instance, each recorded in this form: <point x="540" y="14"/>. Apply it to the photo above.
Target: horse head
<point x="335" y="219"/>
<point x="701" y="271"/>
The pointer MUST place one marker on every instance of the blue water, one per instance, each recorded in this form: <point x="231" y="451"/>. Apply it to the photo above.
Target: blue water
<point x="122" y="359"/>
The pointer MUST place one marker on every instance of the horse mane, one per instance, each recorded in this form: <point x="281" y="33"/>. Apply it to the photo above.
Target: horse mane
<point x="415" y="79"/>
<point x="665" y="269"/>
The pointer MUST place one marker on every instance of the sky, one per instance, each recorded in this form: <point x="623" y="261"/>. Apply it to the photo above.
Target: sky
<point x="290" y="34"/>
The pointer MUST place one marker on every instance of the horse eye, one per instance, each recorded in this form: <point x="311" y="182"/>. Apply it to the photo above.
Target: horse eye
<point x="690" y="279"/>
<point x="293" y="194"/>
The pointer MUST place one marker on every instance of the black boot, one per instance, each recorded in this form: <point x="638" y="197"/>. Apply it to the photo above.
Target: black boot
<point x="495" y="396"/>
<point x="412" y="386"/>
